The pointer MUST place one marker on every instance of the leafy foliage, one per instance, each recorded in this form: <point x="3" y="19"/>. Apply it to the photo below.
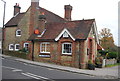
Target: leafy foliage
<point x="112" y="55"/>
<point x="16" y="54"/>
<point x="108" y="54"/>
<point x="106" y="39"/>
<point x="25" y="50"/>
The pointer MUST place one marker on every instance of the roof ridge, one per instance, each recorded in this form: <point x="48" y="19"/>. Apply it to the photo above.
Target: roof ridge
<point x="82" y="20"/>
<point x="52" y="13"/>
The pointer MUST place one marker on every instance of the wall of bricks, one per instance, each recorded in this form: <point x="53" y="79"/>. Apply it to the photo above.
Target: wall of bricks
<point x="10" y="32"/>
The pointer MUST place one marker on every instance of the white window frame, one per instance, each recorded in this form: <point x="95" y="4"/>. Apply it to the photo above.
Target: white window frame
<point x="17" y="33"/>
<point x="45" y="47"/>
<point x="16" y="46"/>
<point x="10" y="47"/>
<point x="25" y="44"/>
<point x="63" y="48"/>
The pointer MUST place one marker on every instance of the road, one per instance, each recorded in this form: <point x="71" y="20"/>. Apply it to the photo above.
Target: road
<point x="12" y="69"/>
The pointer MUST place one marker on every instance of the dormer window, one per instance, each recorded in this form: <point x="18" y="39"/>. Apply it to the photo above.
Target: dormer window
<point x="18" y="32"/>
<point x="65" y="34"/>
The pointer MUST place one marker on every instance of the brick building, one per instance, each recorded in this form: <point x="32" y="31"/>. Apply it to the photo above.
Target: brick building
<point x="50" y="38"/>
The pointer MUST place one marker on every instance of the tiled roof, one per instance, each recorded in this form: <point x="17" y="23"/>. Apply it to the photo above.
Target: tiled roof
<point x="50" y="17"/>
<point x="78" y="29"/>
<point x="14" y="20"/>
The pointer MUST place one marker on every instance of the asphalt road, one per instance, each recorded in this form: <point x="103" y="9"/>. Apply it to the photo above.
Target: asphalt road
<point x="12" y="69"/>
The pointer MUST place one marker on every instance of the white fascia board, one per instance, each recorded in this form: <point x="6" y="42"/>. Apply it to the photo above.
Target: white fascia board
<point x="96" y="32"/>
<point x="64" y="30"/>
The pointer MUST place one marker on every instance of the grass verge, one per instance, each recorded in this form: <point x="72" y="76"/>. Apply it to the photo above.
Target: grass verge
<point x="111" y="65"/>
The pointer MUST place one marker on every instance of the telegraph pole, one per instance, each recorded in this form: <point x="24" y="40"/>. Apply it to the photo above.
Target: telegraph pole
<point x="3" y="24"/>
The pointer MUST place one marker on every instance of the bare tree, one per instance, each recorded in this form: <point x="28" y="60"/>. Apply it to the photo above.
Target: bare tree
<point x="106" y="38"/>
<point x="105" y="32"/>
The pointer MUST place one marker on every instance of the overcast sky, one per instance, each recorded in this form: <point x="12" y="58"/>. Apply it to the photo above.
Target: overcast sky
<point x="105" y="12"/>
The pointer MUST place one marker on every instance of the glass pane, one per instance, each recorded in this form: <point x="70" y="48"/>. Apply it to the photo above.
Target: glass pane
<point x="47" y="47"/>
<point x="17" y="46"/>
<point x="18" y="32"/>
<point x="67" y="48"/>
<point x="11" y="46"/>
<point x="43" y="48"/>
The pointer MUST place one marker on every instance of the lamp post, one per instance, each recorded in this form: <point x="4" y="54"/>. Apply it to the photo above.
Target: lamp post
<point x="3" y="24"/>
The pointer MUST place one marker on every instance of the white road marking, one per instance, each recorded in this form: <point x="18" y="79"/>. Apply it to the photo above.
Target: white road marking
<point x="8" y="67"/>
<point x="16" y="70"/>
<point x="37" y="76"/>
<point x="13" y="69"/>
<point x="30" y="76"/>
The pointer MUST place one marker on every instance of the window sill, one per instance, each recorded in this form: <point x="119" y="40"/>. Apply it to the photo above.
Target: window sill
<point x="10" y="50"/>
<point x="16" y="50"/>
<point x="45" y="52"/>
<point x="66" y="53"/>
<point x="18" y="35"/>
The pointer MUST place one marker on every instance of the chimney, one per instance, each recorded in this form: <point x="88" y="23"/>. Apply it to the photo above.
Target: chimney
<point x="34" y="3"/>
<point x="42" y="22"/>
<point x="68" y="9"/>
<point x="16" y="9"/>
<point x="34" y="13"/>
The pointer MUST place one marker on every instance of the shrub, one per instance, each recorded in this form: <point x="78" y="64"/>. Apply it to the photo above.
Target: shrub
<point x="24" y="50"/>
<point x="98" y="62"/>
<point x="91" y="66"/>
<point x="16" y="54"/>
<point x="112" y="55"/>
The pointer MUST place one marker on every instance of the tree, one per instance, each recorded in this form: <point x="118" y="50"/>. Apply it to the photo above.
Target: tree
<point x="106" y="39"/>
<point x="105" y="32"/>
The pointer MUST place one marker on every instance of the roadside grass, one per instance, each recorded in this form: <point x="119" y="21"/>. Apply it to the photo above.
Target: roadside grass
<point x="111" y="65"/>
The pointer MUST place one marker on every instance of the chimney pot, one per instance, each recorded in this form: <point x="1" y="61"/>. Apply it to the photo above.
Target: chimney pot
<point x="16" y="9"/>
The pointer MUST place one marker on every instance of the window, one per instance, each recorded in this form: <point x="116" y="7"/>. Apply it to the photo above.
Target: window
<point x="45" y="47"/>
<point x="11" y="47"/>
<point x="17" y="47"/>
<point x="18" y="32"/>
<point x="65" y="34"/>
<point x="67" y="48"/>
<point x="26" y="45"/>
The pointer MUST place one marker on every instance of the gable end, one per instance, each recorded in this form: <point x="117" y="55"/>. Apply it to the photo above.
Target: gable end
<point x="63" y="31"/>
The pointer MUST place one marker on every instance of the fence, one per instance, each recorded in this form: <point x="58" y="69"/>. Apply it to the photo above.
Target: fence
<point x="109" y="61"/>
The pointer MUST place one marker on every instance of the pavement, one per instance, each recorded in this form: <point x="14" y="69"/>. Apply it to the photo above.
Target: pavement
<point x="106" y="72"/>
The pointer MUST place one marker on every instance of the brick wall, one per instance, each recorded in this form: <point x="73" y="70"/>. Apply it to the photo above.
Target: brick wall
<point x="10" y="37"/>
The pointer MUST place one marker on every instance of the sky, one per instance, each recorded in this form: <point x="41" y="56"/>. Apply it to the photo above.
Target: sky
<point x="105" y="12"/>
